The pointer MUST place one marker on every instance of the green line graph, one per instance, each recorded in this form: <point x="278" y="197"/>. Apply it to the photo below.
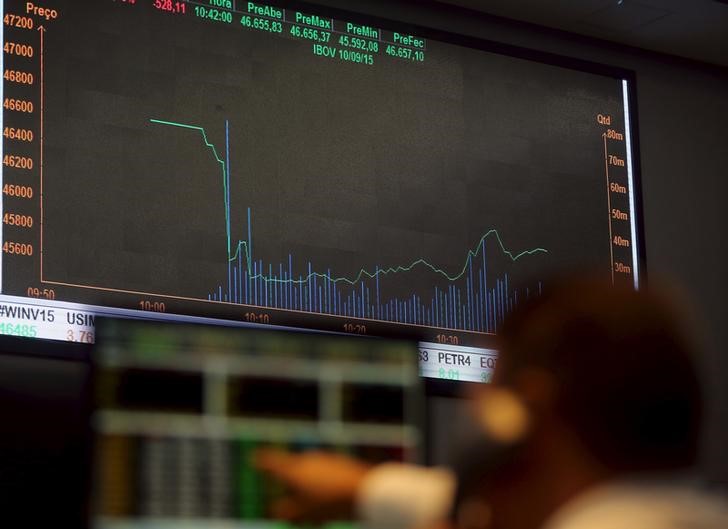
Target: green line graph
<point x="472" y="300"/>
<point x="243" y="244"/>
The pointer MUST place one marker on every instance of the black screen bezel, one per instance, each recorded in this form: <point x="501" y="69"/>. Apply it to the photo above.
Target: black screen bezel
<point x="81" y="352"/>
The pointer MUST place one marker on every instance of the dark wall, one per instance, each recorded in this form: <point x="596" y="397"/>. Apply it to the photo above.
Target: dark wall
<point x="683" y="134"/>
<point x="43" y="441"/>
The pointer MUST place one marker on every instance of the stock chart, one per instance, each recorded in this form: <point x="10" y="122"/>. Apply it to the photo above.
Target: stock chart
<point x="274" y="164"/>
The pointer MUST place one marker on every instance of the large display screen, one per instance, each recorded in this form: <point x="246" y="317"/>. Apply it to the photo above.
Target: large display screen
<point x="274" y="163"/>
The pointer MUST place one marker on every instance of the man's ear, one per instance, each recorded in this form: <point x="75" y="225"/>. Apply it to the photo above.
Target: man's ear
<point x="502" y="413"/>
<point x="508" y="412"/>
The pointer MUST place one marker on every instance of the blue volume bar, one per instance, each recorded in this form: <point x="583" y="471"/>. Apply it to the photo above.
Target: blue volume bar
<point x="455" y="301"/>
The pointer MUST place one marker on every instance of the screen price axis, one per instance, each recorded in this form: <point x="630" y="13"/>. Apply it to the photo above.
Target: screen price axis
<point x="23" y="137"/>
<point x="615" y="171"/>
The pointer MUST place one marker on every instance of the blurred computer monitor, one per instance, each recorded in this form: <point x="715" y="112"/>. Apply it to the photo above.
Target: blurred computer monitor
<point x="180" y="410"/>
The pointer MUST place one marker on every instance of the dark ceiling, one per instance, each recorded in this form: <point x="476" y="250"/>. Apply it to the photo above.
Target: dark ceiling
<point x="694" y="29"/>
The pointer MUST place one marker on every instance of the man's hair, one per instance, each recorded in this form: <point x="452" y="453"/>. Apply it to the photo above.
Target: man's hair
<point x="625" y="379"/>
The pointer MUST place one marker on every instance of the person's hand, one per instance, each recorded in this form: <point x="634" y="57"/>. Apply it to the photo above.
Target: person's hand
<point x="322" y="486"/>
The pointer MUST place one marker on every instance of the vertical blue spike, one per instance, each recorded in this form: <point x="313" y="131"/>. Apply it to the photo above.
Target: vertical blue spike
<point x="496" y="304"/>
<point x="270" y="286"/>
<point x="255" y="283"/>
<point x="250" y="242"/>
<point x="336" y="308"/>
<point x="503" y="300"/>
<point x="379" y="305"/>
<point x="327" y="297"/>
<point x="498" y="300"/>
<point x="494" y="311"/>
<point x="471" y="294"/>
<point x="436" y="308"/>
<point x="227" y="201"/>
<point x="314" y="291"/>
<point x="453" y="312"/>
<point x="284" y="287"/>
<point x="476" y="311"/>
<point x="263" y="285"/>
<point x="448" y="316"/>
<point x="460" y="316"/>
<point x="506" y="294"/>
<point x="468" y="318"/>
<point x="455" y="307"/>
<point x="443" y="309"/>
<point x="240" y="277"/>
<point x="235" y="282"/>
<point x="483" y="302"/>
<point x="485" y="282"/>
<point x="490" y="312"/>
<point x="308" y="287"/>
<point x="498" y="309"/>
<point x="446" y="303"/>
<point x="290" y="285"/>
<point x="299" y="293"/>
<point x="496" y="314"/>
<point x="489" y="316"/>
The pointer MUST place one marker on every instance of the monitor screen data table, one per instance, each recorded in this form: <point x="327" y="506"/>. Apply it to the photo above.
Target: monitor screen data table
<point x="274" y="164"/>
